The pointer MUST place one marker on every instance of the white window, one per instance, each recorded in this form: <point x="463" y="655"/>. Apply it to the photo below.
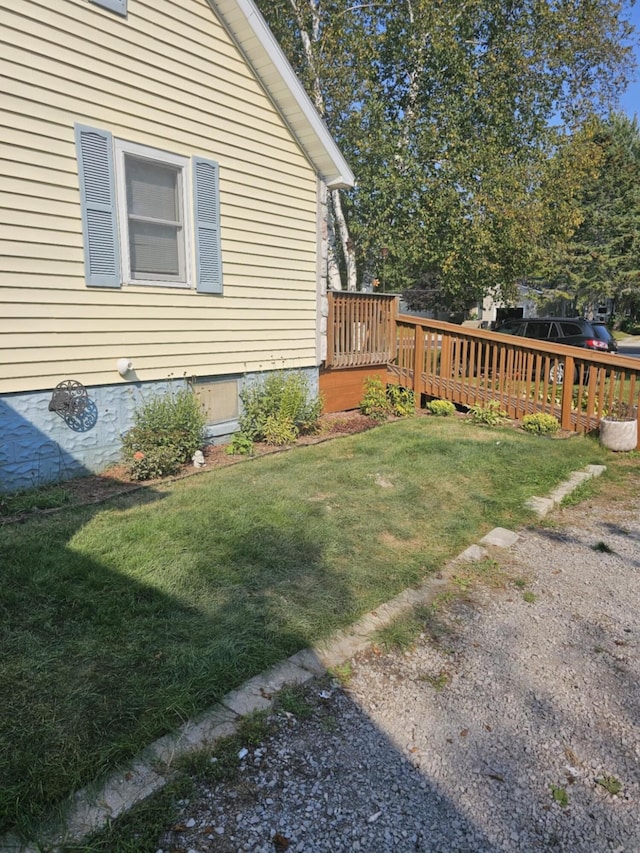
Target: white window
<point x="152" y="205"/>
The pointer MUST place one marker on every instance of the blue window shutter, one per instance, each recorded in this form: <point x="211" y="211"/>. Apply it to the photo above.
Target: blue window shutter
<point x="117" y="6"/>
<point x="97" y="194"/>
<point x="206" y="195"/>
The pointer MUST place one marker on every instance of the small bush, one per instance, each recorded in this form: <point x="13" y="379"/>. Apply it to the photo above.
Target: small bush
<point x="630" y="326"/>
<point x="240" y="445"/>
<point x="441" y="408"/>
<point x="154" y="462"/>
<point x="402" y="401"/>
<point x="380" y="400"/>
<point x="540" y="424"/>
<point x="167" y="431"/>
<point x="375" y="404"/>
<point x="280" y="430"/>
<point x="279" y="408"/>
<point x="490" y="415"/>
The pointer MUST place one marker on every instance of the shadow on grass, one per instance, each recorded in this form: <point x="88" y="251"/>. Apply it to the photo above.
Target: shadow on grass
<point x="98" y="661"/>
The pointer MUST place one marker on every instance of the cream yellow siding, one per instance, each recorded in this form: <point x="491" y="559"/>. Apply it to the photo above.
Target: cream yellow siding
<point x="170" y="77"/>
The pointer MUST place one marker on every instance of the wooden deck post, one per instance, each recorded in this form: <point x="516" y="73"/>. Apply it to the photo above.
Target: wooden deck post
<point x="567" y="393"/>
<point x="331" y="330"/>
<point x="418" y="362"/>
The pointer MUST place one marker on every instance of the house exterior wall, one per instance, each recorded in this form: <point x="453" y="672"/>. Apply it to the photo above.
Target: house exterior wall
<point x="38" y="447"/>
<point x="166" y="76"/>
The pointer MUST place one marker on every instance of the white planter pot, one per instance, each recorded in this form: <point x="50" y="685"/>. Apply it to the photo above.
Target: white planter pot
<point x="618" y="435"/>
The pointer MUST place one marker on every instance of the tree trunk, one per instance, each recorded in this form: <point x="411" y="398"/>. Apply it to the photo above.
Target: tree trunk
<point x="335" y="217"/>
<point x="347" y="249"/>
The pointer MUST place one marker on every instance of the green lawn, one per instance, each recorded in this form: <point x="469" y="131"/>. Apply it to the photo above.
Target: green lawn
<point x="120" y="621"/>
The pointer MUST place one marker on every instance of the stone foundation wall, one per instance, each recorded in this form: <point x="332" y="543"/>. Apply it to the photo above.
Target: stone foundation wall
<point x="38" y="446"/>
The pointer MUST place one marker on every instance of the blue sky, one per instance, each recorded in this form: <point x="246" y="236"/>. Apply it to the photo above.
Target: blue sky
<point x="630" y="101"/>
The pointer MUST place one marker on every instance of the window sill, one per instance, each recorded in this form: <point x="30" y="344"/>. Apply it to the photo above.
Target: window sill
<point x="181" y="285"/>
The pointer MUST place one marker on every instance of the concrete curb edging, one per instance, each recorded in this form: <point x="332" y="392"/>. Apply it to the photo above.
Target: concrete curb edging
<point x="541" y="506"/>
<point x="93" y="809"/>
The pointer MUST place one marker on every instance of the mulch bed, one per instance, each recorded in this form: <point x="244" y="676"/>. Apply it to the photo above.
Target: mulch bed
<point x="115" y="481"/>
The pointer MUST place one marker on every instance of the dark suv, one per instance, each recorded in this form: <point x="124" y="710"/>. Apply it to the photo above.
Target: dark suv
<point x="573" y="331"/>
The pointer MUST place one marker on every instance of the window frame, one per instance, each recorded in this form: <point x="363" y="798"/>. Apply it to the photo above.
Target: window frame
<point x="145" y="152"/>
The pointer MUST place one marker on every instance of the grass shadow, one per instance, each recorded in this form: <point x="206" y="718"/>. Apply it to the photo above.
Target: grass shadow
<point x="101" y="659"/>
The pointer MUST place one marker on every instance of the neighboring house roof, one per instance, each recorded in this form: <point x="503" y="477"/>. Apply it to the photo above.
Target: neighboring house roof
<point x="255" y="40"/>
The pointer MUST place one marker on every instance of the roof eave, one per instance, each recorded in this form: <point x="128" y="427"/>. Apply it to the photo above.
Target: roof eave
<point x="256" y="42"/>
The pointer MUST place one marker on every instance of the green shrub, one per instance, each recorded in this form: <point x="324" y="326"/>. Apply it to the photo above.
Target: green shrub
<point x="380" y="400"/>
<point x="441" y="408"/>
<point x="375" y="403"/>
<point x="240" y="445"/>
<point x="490" y="415"/>
<point x="540" y="424"/>
<point x="630" y="326"/>
<point x="279" y="408"/>
<point x="167" y="431"/>
<point x="402" y="401"/>
<point x="280" y="430"/>
<point x="154" y="462"/>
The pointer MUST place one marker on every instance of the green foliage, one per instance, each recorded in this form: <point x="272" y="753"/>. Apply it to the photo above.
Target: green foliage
<point x="402" y="401"/>
<point x="279" y="430"/>
<point x="240" y="445"/>
<point x="441" y="408"/>
<point x="460" y="185"/>
<point x="154" y="462"/>
<point x="380" y="400"/>
<point x="438" y="681"/>
<point x="560" y="796"/>
<point x="292" y="700"/>
<point x="279" y="408"/>
<point x="375" y="402"/>
<point x="630" y="326"/>
<point x="167" y="431"/>
<point x="601" y="259"/>
<point x="342" y="672"/>
<point x="611" y="785"/>
<point x="540" y="424"/>
<point x="490" y="415"/>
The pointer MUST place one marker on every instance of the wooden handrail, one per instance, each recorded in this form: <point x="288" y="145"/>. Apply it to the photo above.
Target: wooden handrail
<point x="474" y="366"/>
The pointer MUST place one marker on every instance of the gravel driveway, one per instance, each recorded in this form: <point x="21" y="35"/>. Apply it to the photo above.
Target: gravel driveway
<point x="511" y="732"/>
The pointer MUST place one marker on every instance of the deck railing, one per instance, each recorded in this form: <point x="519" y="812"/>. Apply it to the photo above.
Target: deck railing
<point x="473" y="366"/>
<point x="361" y="329"/>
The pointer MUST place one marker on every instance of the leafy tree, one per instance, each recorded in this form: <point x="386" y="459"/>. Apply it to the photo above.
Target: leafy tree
<point x="602" y="258"/>
<point x="446" y="112"/>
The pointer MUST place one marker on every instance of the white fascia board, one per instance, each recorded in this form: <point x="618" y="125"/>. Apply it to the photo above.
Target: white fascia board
<point x="255" y="40"/>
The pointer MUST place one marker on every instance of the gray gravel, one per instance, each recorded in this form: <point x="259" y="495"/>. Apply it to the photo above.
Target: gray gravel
<point x="459" y="744"/>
